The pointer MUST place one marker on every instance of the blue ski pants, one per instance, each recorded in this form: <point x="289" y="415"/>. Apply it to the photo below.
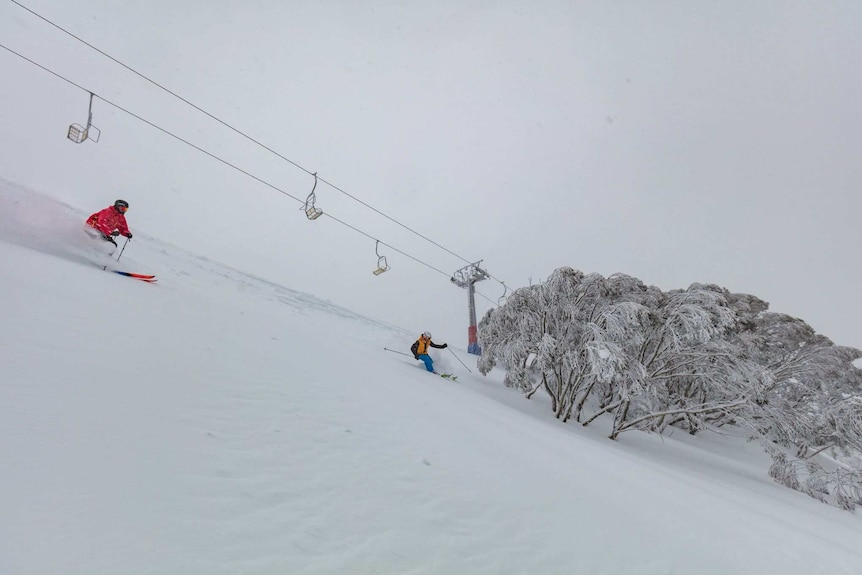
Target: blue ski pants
<point x="429" y="365"/>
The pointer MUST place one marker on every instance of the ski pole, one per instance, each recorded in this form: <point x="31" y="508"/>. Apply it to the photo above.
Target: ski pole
<point x="459" y="359"/>
<point x="122" y="250"/>
<point x="398" y="352"/>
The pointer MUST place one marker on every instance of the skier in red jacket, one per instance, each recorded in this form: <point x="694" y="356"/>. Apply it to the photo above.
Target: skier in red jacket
<point x="109" y="222"/>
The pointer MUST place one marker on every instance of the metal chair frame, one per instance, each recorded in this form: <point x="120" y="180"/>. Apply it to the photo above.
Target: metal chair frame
<point x="78" y="133"/>
<point x="311" y="212"/>
<point x="382" y="266"/>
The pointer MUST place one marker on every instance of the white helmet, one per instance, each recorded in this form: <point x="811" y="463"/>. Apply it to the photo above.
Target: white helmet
<point x="427" y="334"/>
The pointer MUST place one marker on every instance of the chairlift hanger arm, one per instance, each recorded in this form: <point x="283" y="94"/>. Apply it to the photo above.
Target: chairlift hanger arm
<point x="311" y="212"/>
<point x="90" y="113"/>
<point x="502" y="298"/>
<point x="382" y="266"/>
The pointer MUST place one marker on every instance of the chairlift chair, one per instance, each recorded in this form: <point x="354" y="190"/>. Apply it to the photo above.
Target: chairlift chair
<point x="502" y="299"/>
<point x="311" y="212"/>
<point x="78" y="133"/>
<point x="382" y="266"/>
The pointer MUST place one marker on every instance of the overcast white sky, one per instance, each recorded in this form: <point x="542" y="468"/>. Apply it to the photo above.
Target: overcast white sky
<point x="677" y="142"/>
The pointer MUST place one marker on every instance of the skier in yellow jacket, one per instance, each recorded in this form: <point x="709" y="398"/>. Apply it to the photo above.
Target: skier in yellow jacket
<point x="420" y="350"/>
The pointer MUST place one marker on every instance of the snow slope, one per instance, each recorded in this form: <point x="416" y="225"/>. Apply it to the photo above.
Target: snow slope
<point x="218" y="423"/>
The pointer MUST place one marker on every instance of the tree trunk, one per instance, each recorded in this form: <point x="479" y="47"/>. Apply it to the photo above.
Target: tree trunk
<point x="620" y="418"/>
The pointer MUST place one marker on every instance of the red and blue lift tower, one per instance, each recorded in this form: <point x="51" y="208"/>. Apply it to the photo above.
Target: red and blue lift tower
<point x="466" y="277"/>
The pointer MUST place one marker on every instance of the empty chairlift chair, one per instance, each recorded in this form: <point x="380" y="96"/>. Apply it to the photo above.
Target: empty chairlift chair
<point x="382" y="266"/>
<point x="78" y="133"/>
<point x="311" y="212"/>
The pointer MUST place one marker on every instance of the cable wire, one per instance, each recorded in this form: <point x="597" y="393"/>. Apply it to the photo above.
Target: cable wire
<point x="215" y="157"/>
<point x="244" y="135"/>
<point x="241" y="133"/>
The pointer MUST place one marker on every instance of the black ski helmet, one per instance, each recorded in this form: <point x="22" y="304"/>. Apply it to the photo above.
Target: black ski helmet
<point x="121" y="204"/>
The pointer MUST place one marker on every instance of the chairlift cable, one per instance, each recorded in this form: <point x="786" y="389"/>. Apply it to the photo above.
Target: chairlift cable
<point x="236" y="130"/>
<point x="223" y="161"/>
<point x="201" y="110"/>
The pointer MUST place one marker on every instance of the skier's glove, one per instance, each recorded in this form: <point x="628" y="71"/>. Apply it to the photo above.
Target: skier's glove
<point x="445" y="345"/>
<point x="129" y="235"/>
<point x="115" y="233"/>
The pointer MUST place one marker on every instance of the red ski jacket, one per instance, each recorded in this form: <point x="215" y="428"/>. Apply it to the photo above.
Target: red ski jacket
<point x="109" y="220"/>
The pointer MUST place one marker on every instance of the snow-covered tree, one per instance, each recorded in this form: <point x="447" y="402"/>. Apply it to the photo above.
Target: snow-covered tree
<point x="574" y="329"/>
<point x="650" y="359"/>
<point x="689" y="365"/>
<point x="688" y="359"/>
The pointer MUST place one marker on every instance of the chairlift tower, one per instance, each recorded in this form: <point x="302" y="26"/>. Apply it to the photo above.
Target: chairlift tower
<point x="466" y="277"/>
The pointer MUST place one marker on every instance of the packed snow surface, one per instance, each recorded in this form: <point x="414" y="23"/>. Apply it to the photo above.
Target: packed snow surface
<point x="217" y="423"/>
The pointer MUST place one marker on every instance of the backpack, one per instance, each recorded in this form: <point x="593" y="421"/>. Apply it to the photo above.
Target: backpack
<point x="415" y="347"/>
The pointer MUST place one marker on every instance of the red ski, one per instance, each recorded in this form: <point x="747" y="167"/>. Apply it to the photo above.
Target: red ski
<point x="142" y="277"/>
